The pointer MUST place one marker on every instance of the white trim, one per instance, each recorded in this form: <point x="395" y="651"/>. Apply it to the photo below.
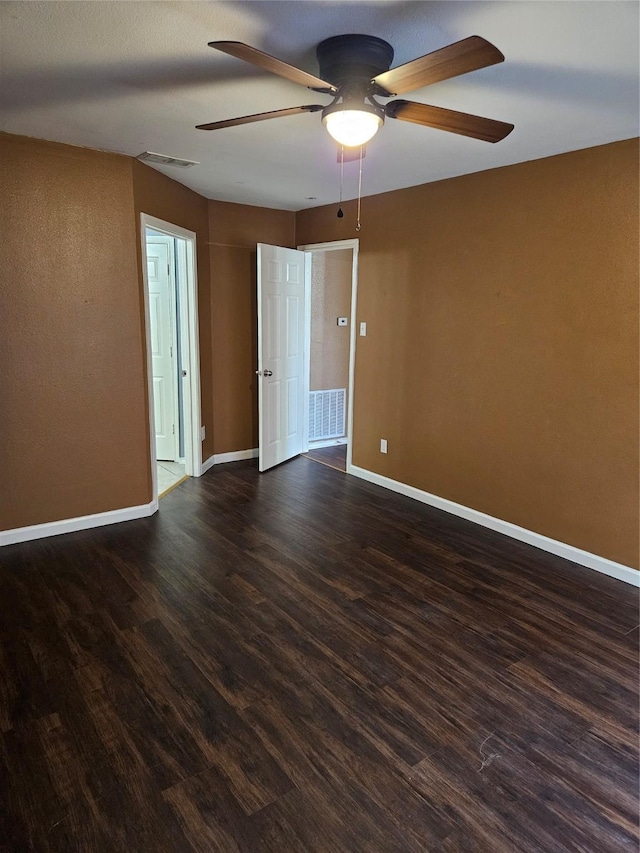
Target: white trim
<point x="258" y="372"/>
<point x="83" y="522"/>
<point x="208" y="463"/>
<point x="307" y="349"/>
<point x="149" y="368"/>
<point x="332" y="246"/>
<point x="553" y="546"/>
<point x="352" y="351"/>
<point x="191" y="390"/>
<point x="232" y="456"/>
<point x="184" y="266"/>
<point x="188" y="287"/>
<point x="327" y="442"/>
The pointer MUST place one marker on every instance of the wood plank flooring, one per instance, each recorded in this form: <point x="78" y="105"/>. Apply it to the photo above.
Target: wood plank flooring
<point x="301" y="661"/>
<point x="334" y="456"/>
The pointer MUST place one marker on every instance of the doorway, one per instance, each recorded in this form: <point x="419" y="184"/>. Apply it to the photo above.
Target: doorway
<point x="332" y="335"/>
<point x="173" y="368"/>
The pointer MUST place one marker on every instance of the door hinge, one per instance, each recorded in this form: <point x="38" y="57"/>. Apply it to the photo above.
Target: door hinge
<point x="168" y="270"/>
<point x="173" y="429"/>
<point x="170" y="352"/>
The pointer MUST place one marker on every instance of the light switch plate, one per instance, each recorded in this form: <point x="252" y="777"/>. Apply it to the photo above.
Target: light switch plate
<point x="363" y="330"/>
<point x="343" y="321"/>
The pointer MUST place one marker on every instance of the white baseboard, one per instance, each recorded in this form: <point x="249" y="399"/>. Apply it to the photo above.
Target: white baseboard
<point x="232" y="456"/>
<point x="327" y="442"/>
<point x="208" y="463"/>
<point x="553" y="546"/>
<point x="83" y="522"/>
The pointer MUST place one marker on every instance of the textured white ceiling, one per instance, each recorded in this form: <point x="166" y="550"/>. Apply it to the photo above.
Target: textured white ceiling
<point x="136" y="76"/>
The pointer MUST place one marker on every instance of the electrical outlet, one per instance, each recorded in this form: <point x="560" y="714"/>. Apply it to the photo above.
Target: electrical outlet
<point x="203" y="433"/>
<point x="343" y="321"/>
<point x="383" y="445"/>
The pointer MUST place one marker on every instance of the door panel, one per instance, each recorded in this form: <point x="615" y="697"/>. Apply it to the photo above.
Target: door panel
<point x="293" y="339"/>
<point x="282" y="360"/>
<point x="158" y="404"/>
<point x="293" y="405"/>
<point x="162" y="329"/>
<point x="272" y="413"/>
<point x="272" y="337"/>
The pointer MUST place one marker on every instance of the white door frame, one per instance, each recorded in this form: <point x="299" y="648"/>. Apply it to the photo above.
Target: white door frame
<point x="190" y="348"/>
<point x="333" y="246"/>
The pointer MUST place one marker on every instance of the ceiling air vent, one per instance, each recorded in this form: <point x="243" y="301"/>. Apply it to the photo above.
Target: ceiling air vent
<point x="165" y="160"/>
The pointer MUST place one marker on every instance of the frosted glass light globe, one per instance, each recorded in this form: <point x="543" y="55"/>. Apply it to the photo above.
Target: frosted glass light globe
<point x="352" y="127"/>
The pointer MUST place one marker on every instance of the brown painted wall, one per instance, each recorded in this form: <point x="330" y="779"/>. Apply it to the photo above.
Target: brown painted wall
<point x="74" y="419"/>
<point x="501" y="360"/>
<point x="73" y="437"/>
<point x="234" y="230"/>
<point x="330" y="299"/>
<point x="164" y="198"/>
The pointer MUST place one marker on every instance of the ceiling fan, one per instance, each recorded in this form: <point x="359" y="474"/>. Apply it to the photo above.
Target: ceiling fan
<point x="355" y="70"/>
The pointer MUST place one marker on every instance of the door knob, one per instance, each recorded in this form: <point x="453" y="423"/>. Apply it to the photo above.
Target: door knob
<point x="267" y="373"/>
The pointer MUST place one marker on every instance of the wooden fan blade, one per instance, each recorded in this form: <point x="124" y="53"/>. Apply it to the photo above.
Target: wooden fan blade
<point x="272" y="64"/>
<point x="458" y="58"/>
<point x="232" y="122"/>
<point x="486" y="129"/>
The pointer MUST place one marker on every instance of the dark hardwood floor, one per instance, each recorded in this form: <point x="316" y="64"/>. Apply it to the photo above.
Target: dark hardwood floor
<point x="301" y="661"/>
<point x="334" y="456"/>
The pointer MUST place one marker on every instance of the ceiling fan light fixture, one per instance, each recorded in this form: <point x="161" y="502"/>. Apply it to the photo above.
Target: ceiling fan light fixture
<point x="352" y="126"/>
<point x="355" y="69"/>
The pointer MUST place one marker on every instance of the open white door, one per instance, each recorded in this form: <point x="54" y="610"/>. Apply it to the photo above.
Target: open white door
<point x="162" y="318"/>
<point x="283" y="276"/>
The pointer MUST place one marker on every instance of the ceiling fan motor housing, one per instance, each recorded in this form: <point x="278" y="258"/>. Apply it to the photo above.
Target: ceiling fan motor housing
<point x="353" y="58"/>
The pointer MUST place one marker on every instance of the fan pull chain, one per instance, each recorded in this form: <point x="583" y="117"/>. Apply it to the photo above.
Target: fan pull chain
<point x="359" y="189"/>
<point x="340" y="213"/>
